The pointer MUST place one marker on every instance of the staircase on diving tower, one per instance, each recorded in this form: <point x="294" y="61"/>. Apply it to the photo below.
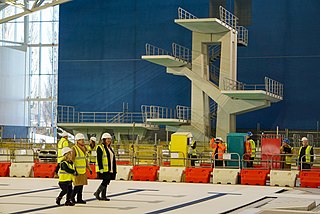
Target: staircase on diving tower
<point x="211" y="66"/>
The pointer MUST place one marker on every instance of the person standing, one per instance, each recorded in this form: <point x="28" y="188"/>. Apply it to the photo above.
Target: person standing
<point x="63" y="142"/>
<point x="92" y="150"/>
<point x="106" y="166"/>
<point x="218" y="149"/>
<point x="306" y="154"/>
<point x="250" y="149"/>
<point x="286" y="150"/>
<point x="66" y="176"/>
<point x="81" y="164"/>
<point x="192" y="152"/>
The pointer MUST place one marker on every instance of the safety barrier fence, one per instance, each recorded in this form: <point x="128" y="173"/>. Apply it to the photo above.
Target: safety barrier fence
<point x="183" y="14"/>
<point x="181" y="171"/>
<point x="228" y="18"/>
<point x="159" y="112"/>
<point x="242" y="36"/>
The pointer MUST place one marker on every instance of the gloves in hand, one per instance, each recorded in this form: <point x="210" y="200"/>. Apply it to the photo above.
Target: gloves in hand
<point x="101" y="171"/>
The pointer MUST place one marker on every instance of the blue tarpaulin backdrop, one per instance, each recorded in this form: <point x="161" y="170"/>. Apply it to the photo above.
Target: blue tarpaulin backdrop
<point x="101" y="44"/>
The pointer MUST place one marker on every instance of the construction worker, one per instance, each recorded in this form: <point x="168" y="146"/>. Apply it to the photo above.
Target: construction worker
<point x="63" y="142"/>
<point x="106" y="166"/>
<point x="192" y="152"/>
<point x="92" y="150"/>
<point x="286" y="149"/>
<point x="306" y="154"/>
<point x="218" y="149"/>
<point x="66" y="176"/>
<point x="250" y="150"/>
<point x="81" y="164"/>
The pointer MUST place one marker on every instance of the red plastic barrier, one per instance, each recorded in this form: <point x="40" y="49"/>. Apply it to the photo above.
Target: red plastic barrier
<point x="166" y="163"/>
<point x="94" y="173"/>
<point x="123" y="163"/>
<point x="145" y="173"/>
<point x="310" y="179"/>
<point x="198" y="175"/>
<point x="44" y="170"/>
<point x="254" y="176"/>
<point x="4" y="169"/>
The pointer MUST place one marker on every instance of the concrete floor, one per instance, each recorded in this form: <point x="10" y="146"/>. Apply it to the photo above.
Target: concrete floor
<point x="37" y="195"/>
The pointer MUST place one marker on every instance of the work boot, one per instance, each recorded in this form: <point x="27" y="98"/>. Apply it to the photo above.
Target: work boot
<point x="58" y="200"/>
<point x="69" y="203"/>
<point x="99" y="190"/>
<point x="104" y="194"/>
<point x="81" y="201"/>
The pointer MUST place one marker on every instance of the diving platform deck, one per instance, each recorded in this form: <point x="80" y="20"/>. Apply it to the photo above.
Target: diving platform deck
<point x="168" y="121"/>
<point x="204" y="25"/>
<point x="165" y="60"/>
<point x="253" y="95"/>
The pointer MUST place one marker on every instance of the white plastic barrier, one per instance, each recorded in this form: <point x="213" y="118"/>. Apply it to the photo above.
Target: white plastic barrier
<point x="123" y="172"/>
<point x="283" y="178"/>
<point x="21" y="170"/>
<point x="23" y="155"/>
<point x="225" y="176"/>
<point x="5" y="155"/>
<point x="171" y="174"/>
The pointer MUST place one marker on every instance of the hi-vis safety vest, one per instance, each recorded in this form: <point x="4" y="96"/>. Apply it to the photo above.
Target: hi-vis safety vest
<point x="221" y="150"/>
<point x="307" y="154"/>
<point x="61" y="144"/>
<point x="92" y="153"/>
<point x="251" y="148"/>
<point x="63" y="175"/>
<point x="80" y="160"/>
<point x="288" y="157"/>
<point x="104" y="160"/>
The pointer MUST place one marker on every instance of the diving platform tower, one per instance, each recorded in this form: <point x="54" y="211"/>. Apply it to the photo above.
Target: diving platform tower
<point x="212" y="39"/>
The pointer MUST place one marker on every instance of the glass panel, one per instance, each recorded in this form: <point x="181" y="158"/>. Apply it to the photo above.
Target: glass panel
<point x="34" y="32"/>
<point x="45" y="113"/>
<point x="55" y="33"/>
<point x="46" y="60"/>
<point x="9" y="31"/>
<point x="45" y="86"/>
<point x="20" y="32"/>
<point x="46" y="33"/>
<point x="34" y="16"/>
<point x="34" y="116"/>
<point x="55" y="60"/>
<point x="34" y="86"/>
<point x="47" y="14"/>
<point x="34" y="60"/>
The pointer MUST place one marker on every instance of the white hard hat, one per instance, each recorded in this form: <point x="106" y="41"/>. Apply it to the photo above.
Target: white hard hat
<point x="304" y="138"/>
<point x="65" y="150"/>
<point x="106" y="135"/>
<point x="64" y="134"/>
<point x="79" y="136"/>
<point x="219" y="138"/>
<point x="93" y="139"/>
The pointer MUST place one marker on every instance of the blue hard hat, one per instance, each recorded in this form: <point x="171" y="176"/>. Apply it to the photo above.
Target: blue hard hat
<point x="249" y="134"/>
<point x="286" y="140"/>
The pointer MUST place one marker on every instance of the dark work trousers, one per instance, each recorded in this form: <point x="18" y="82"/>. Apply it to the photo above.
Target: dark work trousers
<point x="105" y="178"/>
<point x="250" y="162"/>
<point x="306" y="166"/>
<point x="66" y="188"/>
<point x="77" y="190"/>
<point x="218" y="163"/>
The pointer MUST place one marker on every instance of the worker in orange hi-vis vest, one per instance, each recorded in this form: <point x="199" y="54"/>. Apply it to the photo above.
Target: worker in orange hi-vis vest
<point x="250" y="150"/>
<point x="218" y="149"/>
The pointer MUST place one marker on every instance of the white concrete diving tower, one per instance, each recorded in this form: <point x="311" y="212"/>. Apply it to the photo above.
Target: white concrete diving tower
<point x="215" y="39"/>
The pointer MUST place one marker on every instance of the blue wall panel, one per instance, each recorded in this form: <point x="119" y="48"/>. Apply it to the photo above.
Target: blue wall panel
<point x="100" y="52"/>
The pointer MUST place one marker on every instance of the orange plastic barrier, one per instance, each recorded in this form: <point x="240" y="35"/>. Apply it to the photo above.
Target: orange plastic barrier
<point x="254" y="176"/>
<point x="94" y="173"/>
<point x="310" y="179"/>
<point x="198" y="175"/>
<point x="145" y="173"/>
<point x="44" y="170"/>
<point x="166" y="163"/>
<point x="4" y="169"/>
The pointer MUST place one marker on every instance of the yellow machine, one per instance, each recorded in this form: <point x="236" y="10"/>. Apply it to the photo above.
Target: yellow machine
<point x="178" y="147"/>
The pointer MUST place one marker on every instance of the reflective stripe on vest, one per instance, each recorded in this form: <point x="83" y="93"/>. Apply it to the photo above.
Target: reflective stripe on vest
<point x="80" y="160"/>
<point x="104" y="160"/>
<point x="307" y="154"/>
<point x="61" y="144"/>
<point x="63" y="175"/>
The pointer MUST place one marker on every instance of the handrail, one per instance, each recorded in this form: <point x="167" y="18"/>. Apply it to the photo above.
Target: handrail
<point x="273" y="87"/>
<point x="152" y="50"/>
<point x="228" y="18"/>
<point x="181" y="52"/>
<point x="159" y="112"/>
<point x="242" y="35"/>
<point x="183" y="112"/>
<point x="183" y="14"/>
